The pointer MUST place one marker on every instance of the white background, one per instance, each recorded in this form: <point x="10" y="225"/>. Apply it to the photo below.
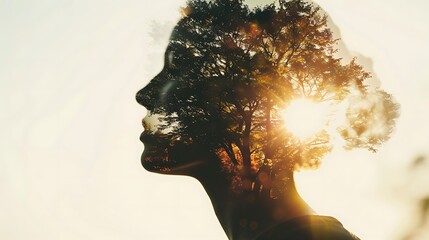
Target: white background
<point x="69" y="149"/>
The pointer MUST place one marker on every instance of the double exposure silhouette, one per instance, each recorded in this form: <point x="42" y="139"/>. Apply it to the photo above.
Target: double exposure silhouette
<point x="215" y="112"/>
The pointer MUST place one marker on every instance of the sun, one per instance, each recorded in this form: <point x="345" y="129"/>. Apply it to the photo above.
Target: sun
<point x="305" y="118"/>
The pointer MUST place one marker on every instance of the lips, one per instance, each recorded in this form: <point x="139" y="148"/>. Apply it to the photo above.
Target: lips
<point x="148" y="134"/>
<point x="155" y="154"/>
<point x="148" y="137"/>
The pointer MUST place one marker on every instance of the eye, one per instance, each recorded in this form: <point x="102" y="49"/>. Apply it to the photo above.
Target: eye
<point x="170" y="60"/>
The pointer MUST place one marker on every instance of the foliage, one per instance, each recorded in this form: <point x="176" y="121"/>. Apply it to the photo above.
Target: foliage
<point x="233" y="69"/>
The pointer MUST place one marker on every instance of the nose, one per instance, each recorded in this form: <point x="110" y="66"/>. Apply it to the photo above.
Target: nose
<point x="142" y="96"/>
<point x="156" y="93"/>
<point x="146" y="96"/>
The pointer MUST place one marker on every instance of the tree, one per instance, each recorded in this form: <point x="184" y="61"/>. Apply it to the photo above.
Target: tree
<point x="234" y="69"/>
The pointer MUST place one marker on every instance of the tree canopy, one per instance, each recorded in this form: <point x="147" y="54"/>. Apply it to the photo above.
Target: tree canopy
<point x="232" y="70"/>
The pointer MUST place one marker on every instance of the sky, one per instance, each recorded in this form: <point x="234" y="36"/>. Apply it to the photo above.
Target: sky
<point x="69" y="149"/>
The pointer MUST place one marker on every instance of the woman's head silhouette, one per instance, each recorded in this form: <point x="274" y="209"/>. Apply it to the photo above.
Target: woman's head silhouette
<point x="216" y="109"/>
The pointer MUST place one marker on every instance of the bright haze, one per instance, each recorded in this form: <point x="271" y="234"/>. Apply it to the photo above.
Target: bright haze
<point x="70" y="155"/>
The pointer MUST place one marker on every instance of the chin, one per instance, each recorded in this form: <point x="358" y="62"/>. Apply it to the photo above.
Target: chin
<point x="155" y="160"/>
<point x="175" y="161"/>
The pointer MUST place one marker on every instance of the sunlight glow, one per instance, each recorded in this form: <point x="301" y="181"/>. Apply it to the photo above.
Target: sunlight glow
<point x="304" y="117"/>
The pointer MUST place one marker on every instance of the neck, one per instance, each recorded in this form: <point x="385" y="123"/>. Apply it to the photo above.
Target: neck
<point x="247" y="215"/>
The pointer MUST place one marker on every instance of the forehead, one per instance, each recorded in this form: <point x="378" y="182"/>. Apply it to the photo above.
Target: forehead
<point x="179" y="38"/>
<point x="189" y="29"/>
<point x="181" y="27"/>
<point x="174" y="39"/>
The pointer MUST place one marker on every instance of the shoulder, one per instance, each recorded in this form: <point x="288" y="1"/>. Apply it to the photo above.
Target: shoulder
<point x="309" y="228"/>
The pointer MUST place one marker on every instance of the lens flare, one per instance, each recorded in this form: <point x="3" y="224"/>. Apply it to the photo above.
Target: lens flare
<point x="305" y="118"/>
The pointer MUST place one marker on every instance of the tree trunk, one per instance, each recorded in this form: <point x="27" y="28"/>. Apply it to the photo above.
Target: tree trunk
<point x="245" y="148"/>
<point x="268" y="151"/>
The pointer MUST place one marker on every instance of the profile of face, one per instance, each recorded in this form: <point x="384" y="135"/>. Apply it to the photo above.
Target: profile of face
<point x="229" y="74"/>
<point x="165" y="151"/>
